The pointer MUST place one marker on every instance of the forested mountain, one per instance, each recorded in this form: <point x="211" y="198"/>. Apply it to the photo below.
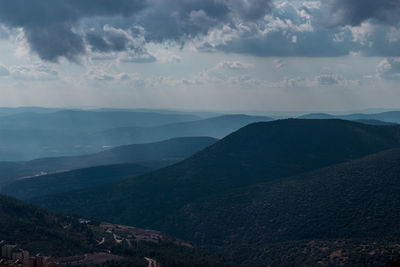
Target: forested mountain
<point x="154" y="155"/>
<point x="337" y="210"/>
<point x="72" y="180"/>
<point x="260" y="152"/>
<point x="304" y="191"/>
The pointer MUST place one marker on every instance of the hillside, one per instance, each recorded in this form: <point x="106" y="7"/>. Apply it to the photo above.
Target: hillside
<point x="260" y="152"/>
<point x="72" y="180"/>
<point x="74" y="243"/>
<point x="38" y="230"/>
<point x="353" y="206"/>
<point x="156" y="155"/>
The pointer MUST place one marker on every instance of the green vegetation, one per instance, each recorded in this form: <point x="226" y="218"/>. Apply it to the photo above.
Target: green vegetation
<point x="256" y="196"/>
<point x="72" y="180"/>
<point x="279" y="193"/>
<point x="38" y="230"/>
<point x="352" y="207"/>
<point x="257" y="153"/>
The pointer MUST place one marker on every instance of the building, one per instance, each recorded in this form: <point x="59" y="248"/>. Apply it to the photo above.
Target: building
<point x="7" y="250"/>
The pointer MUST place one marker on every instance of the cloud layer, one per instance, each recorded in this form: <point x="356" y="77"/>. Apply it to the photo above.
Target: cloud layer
<point x="54" y="29"/>
<point x="71" y="29"/>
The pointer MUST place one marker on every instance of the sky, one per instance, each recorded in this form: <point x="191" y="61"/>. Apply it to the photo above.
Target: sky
<point x="327" y="55"/>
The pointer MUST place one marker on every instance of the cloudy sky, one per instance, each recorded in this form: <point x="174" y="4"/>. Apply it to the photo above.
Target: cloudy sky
<point x="201" y="54"/>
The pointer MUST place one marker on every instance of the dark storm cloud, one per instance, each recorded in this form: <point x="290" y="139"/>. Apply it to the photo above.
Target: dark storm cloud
<point x="179" y="20"/>
<point x="317" y="29"/>
<point x="305" y="44"/>
<point x="52" y="26"/>
<point x="354" y="12"/>
<point x="48" y="24"/>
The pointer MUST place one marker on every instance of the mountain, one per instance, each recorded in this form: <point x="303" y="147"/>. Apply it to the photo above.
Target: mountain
<point x="216" y="127"/>
<point x="318" y="116"/>
<point x="257" y="153"/>
<point x="346" y="215"/>
<point x="156" y="155"/>
<point x="30" y="143"/>
<point x="72" y="180"/>
<point x="4" y="111"/>
<point x="390" y="116"/>
<point x="375" y="122"/>
<point x="85" y="120"/>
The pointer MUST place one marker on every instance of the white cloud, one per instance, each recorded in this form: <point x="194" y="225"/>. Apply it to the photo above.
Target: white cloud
<point x="389" y="69"/>
<point x="167" y="57"/>
<point x="38" y="72"/>
<point x="233" y="65"/>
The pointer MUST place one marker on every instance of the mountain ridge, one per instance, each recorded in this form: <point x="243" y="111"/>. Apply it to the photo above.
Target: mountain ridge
<point x="252" y="153"/>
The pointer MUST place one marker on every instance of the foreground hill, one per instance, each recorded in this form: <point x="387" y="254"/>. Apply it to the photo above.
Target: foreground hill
<point x="260" y="152"/>
<point x="154" y="154"/>
<point x="347" y="215"/>
<point x="75" y="242"/>
<point x="38" y="230"/>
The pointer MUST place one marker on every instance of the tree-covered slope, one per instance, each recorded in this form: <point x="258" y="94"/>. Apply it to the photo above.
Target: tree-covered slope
<point x="38" y="230"/>
<point x="72" y="180"/>
<point x="76" y="243"/>
<point x="175" y="148"/>
<point x="155" y="154"/>
<point x="260" y="152"/>
<point x="342" y="207"/>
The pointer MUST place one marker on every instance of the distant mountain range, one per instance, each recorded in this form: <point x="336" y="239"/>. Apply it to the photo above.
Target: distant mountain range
<point x="258" y="153"/>
<point x="89" y="120"/>
<point x="148" y="156"/>
<point x="30" y="143"/>
<point x="377" y="118"/>
<point x="216" y="127"/>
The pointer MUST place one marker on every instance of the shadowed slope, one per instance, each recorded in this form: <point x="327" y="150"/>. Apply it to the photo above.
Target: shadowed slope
<point x="257" y="153"/>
